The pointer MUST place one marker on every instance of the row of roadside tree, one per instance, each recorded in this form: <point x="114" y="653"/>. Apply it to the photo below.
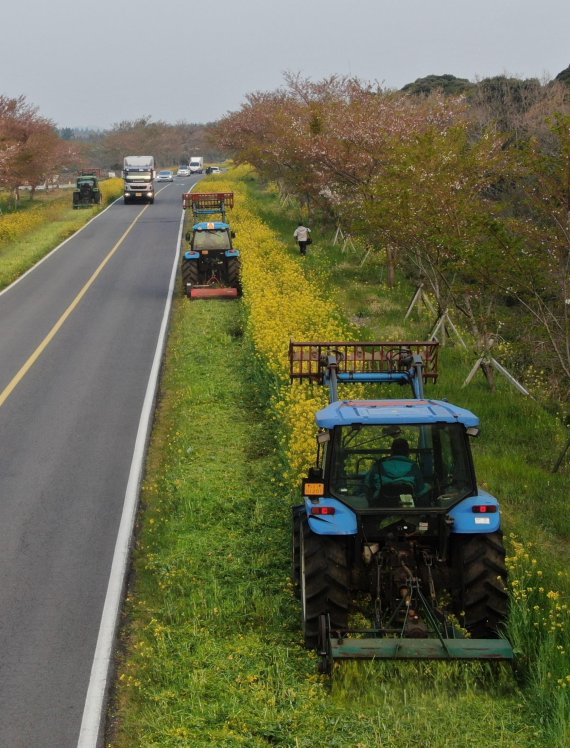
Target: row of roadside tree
<point x="467" y="195"/>
<point x="34" y="152"/>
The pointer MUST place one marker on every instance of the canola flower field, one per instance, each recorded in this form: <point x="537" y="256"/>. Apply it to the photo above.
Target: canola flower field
<point x="211" y="650"/>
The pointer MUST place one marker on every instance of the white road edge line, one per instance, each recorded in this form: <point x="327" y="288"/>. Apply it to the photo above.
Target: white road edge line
<point x="59" y="246"/>
<point x="98" y="682"/>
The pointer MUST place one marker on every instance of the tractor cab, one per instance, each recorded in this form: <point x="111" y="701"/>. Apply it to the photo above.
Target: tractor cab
<point x="214" y="236"/>
<point x="373" y="462"/>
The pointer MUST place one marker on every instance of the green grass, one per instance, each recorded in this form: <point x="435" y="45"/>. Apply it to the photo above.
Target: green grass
<point x="20" y="255"/>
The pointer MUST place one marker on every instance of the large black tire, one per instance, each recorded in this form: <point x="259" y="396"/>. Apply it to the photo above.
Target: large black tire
<point x="324" y="580"/>
<point x="190" y="274"/>
<point x="480" y="597"/>
<point x="232" y="273"/>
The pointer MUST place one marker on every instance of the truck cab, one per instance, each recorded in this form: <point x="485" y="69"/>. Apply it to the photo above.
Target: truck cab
<point x="138" y="176"/>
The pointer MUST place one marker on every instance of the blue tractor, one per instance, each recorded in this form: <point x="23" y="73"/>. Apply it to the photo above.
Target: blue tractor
<point x="210" y="264"/>
<point x="393" y="529"/>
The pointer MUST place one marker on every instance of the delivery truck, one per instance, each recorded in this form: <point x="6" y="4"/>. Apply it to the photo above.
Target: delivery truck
<point x="196" y="164"/>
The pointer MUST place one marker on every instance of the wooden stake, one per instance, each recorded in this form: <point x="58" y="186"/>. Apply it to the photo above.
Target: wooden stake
<point x="561" y="458"/>
<point x="420" y="296"/>
<point x="490" y="361"/>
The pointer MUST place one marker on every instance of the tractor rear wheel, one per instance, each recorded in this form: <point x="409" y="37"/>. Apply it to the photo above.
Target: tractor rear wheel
<point x="324" y="580"/>
<point x="232" y="273"/>
<point x="190" y="275"/>
<point x="480" y="597"/>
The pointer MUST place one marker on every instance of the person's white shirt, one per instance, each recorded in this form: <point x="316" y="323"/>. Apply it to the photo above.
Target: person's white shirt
<point x="301" y="233"/>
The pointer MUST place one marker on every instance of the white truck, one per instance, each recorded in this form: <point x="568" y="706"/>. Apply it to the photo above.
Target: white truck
<point x="196" y="164"/>
<point x="138" y="175"/>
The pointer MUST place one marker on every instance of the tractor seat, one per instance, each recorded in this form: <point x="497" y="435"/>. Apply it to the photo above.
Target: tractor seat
<point x="396" y="495"/>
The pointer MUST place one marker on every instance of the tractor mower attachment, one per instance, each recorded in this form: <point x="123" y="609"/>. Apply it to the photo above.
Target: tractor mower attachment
<point x="412" y="628"/>
<point x="409" y="624"/>
<point x="213" y="292"/>
<point x="211" y="265"/>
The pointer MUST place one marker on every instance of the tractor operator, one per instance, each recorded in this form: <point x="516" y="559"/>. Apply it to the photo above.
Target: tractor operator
<point x="394" y="476"/>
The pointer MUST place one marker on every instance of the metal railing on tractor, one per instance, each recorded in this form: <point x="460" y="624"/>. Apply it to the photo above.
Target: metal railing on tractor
<point x="208" y="203"/>
<point x="329" y="363"/>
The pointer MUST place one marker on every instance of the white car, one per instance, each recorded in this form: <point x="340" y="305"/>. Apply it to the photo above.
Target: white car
<point x="165" y="176"/>
<point x="183" y="171"/>
<point x="215" y="170"/>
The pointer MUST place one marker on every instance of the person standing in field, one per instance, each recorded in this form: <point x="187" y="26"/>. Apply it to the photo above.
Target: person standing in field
<point x="302" y="235"/>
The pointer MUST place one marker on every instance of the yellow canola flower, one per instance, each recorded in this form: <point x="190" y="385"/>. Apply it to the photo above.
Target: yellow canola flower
<point x="282" y="305"/>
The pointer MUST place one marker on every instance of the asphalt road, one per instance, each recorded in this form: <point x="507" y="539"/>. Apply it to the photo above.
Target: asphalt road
<point x="68" y="422"/>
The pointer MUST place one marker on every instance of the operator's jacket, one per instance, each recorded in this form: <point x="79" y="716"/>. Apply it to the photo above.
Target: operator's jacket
<point x="396" y="470"/>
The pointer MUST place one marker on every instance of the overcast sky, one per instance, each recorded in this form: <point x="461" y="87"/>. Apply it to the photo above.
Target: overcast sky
<point x="95" y="63"/>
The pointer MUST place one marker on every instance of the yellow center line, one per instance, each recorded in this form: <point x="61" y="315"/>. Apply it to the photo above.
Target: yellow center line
<point x="7" y="391"/>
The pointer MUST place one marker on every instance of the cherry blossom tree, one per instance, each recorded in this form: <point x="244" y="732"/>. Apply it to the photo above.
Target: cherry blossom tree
<point x="30" y="147"/>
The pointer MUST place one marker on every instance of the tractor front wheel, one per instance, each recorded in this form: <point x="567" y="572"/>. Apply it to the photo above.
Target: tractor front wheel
<point x="480" y="597"/>
<point x="324" y="580"/>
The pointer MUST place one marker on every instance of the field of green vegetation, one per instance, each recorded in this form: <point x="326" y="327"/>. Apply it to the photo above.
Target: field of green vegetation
<point x="211" y="648"/>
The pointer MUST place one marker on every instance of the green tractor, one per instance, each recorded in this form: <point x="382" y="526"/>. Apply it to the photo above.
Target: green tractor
<point x="87" y="191"/>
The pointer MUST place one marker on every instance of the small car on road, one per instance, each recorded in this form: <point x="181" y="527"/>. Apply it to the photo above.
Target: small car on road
<point x="165" y="176"/>
<point x="183" y="171"/>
